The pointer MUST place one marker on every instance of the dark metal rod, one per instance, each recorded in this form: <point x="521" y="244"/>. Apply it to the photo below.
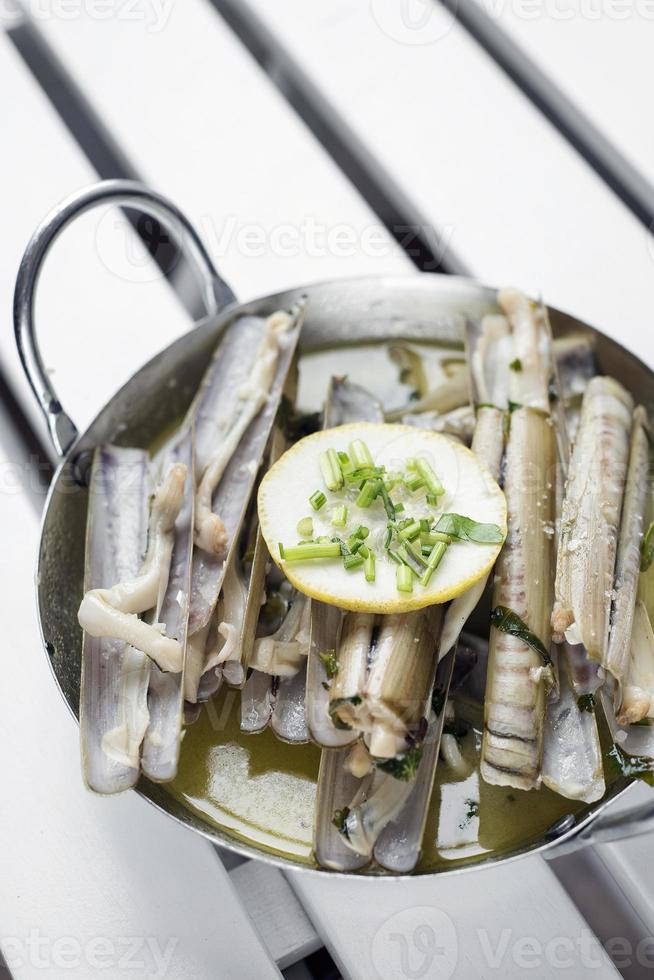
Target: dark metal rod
<point x="419" y="239"/>
<point x="624" y="179"/>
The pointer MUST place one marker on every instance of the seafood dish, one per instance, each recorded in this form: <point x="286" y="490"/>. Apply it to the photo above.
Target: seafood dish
<point x="411" y="584"/>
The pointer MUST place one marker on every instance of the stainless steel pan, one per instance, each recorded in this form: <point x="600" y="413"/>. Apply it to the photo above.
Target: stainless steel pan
<point x="416" y="307"/>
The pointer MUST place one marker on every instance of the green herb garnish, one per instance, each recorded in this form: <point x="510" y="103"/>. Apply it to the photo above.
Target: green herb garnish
<point x="516" y="365"/>
<point x="340" y="820"/>
<point x="360" y="454"/>
<point x="507" y="621"/>
<point x="367" y="493"/>
<point x="433" y="484"/>
<point x="404" y="577"/>
<point x="647" y="548"/>
<point x="369" y="567"/>
<point x="317" y="499"/>
<point x="465" y="529"/>
<point x="310" y="550"/>
<point x="586" y="702"/>
<point x="632" y="766"/>
<point x="339" y="515"/>
<point x="330" y="661"/>
<point x="330" y="467"/>
<point x="472" y="811"/>
<point x="403" y="766"/>
<point x="305" y="527"/>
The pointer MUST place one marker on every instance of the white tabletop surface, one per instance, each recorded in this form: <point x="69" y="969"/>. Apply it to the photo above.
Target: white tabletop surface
<point x="83" y="881"/>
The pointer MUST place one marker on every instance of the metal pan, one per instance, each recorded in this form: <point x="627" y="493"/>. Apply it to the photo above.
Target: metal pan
<point x="418" y="307"/>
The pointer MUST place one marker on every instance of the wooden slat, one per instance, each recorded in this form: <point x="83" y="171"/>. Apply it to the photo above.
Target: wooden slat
<point x="516" y="202"/>
<point x="275" y="911"/>
<point x="505" y="922"/>
<point x="600" y="56"/>
<point x="95" y="324"/>
<point x="204" y="125"/>
<point x="81" y="874"/>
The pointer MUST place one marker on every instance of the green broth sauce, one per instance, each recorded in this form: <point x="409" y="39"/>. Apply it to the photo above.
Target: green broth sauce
<point x="262" y="792"/>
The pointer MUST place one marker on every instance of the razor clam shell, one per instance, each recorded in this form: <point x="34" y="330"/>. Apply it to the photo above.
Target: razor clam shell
<point x="531" y="350"/>
<point x="590" y="518"/>
<point x="450" y="394"/>
<point x="576" y="363"/>
<point x="325" y="631"/>
<point x="336" y="790"/>
<point x="459" y="423"/>
<point x="627" y="565"/>
<point x="402" y="674"/>
<point x="488" y="350"/>
<point x="256" y="702"/>
<point x="115" y="544"/>
<point x="572" y="755"/>
<point x="288" y="719"/>
<point x="638" y="683"/>
<point x="399" y="844"/>
<point x="228" y="373"/>
<point x="349" y="402"/>
<point x="488" y="445"/>
<point x="514" y="705"/>
<point x="160" y="753"/>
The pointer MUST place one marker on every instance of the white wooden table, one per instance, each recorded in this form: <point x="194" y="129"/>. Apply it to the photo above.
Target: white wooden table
<point x="366" y="114"/>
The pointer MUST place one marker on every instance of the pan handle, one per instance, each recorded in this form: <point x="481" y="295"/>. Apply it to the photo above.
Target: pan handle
<point x="607" y="827"/>
<point x="216" y="294"/>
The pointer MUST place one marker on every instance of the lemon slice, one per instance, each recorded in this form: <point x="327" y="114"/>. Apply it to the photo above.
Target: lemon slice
<point x="397" y="455"/>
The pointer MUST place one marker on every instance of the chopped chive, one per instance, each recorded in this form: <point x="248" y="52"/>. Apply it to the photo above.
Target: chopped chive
<point x="305" y="527"/>
<point x="369" y="567"/>
<point x="437" y="553"/>
<point x="362" y="550"/>
<point x="365" y="473"/>
<point x="404" y="579"/>
<point x="393" y="555"/>
<point x="388" y="537"/>
<point x="317" y="499"/>
<point x="432" y="537"/>
<point x="360" y="454"/>
<point x="330" y="468"/>
<point x="306" y="551"/>
<point x="398" y="507"/>
<point x="411" y="561"/>
<point x="413" y="482"/>
<point x="410" y="532"/>
<point x="433" y="561"/>
<point x="339" y="516"/>
<point x="432" y="499"/>
<point x="434" y="485"/>
<point x="414" y="549"/>
<point x="367" y="493"/>
<point x="353" y="561"/>
<point x="424" y="524"/>
<point x="392" y="479"/>
<point x="388" y="503"/>
<point x="345" y="464"/>
<point x="362" y="532"/>
<point x="282" y="553"/>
